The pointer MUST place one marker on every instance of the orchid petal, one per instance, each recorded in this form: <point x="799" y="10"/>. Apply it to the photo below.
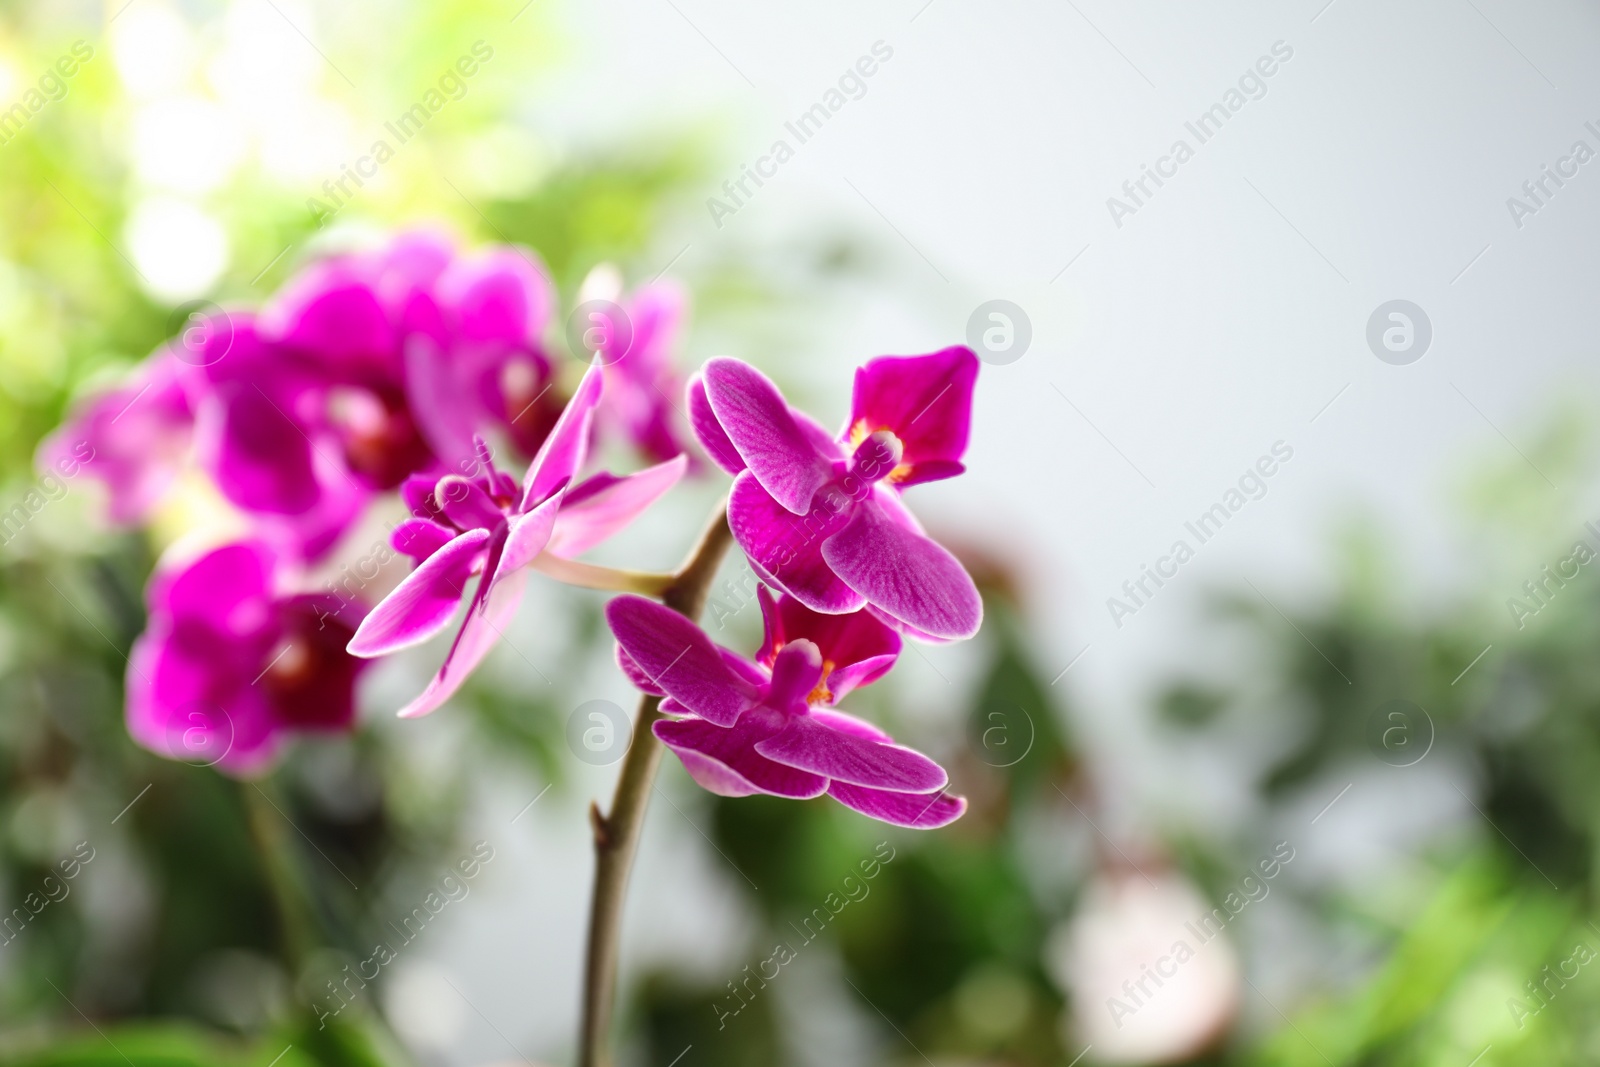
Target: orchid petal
<point x="479" y="631"/>
<point x="466" y="504"/>
<point x="925" y="401"/>
<point x="424" y="603"/>
<point x="601" y="506"/>
<point x="708" y="431"/>
<point x="860" y="646"/>
<point x="785" y="550"/>
<point x="753" y="414"/>
<point x="500" y="295"/>
<point x="420" y="538"/>
<point x="849" y="724"/>
<point x="918" y="811"/>
<point x="635" y="674"/>
<point x="529" y="536"/>
<point x="727" y="761"/>
<point x="680" y="659"/>
<point x="133" y="439"/>
<point x="812" y="745"/>
<point x="435" y="398"/>
<point x="911" y="577"/>
<point x="562" y="452"/>
<point x="259" y="456"/>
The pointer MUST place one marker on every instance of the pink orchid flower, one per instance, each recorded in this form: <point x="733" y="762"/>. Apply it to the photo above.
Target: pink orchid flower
<point x="641" y="380"/>
<point x="488" y="526"/>
<point x="746" y="728"/>
<point x="230" y="665"/>
<point x="820" y="517"/>
<point x="368" y="368"/>
<point x="134" y="438"/>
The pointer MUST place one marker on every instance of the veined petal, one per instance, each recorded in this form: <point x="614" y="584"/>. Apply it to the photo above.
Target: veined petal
<point x="708" y="431"/>
<point x="918" y="811"/>
<point x="904" y="573"/>
<point x="725" y="760"/>
<point x="635" y="674"/>
<point x="812" y="745"/>
<point x="838" y="720"/>
<point x="758" y="421"/>
<point x="424" y="602"/>
<point x="786" y="549"/>
<point x="562" y="452"/>
<point x="601" y="506"/>
<point x="680" y="659"/>
<point x="479" y="631"/>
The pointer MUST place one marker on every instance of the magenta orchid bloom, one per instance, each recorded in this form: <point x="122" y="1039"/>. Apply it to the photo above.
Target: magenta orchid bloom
<point x="135" y="438"/>
<point x="369" y="368"/>
<point x="747" y="729"/>
<point x="487" y="525"/>
<point x="641" y="381"/>
<point x="229" y="665"/>
<point x="821" y="518"/>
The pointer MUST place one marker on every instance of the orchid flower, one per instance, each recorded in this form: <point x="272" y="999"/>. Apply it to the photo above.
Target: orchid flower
<point x="747" y="728"/>
<point x="367" y="369"/>
<point x="488" y="526"/>
<point x="821" y="518"/>
<point x="230" y="664"/>
<point x="641" y="381"/>
<point x="134" y="438"/>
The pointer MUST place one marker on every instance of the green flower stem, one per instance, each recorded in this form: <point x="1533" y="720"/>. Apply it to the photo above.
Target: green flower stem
<point x="295" y="923"/>
<point x="616" y="834"/>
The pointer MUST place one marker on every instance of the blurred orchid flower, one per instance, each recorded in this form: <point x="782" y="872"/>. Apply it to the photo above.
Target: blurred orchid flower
<point x="748" y="728"/>
<point x="635" y="343"/>
<point x="229" y="664"/>
<point x="821" y="518"/>
<point x="134" y="438"/>
<point x="368" y="368"/>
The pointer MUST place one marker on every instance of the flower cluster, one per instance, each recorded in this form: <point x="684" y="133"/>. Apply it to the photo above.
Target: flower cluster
<point x="403" y="373"/>
<point x="820" y="518"/>
<point x="370" y="374"/>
